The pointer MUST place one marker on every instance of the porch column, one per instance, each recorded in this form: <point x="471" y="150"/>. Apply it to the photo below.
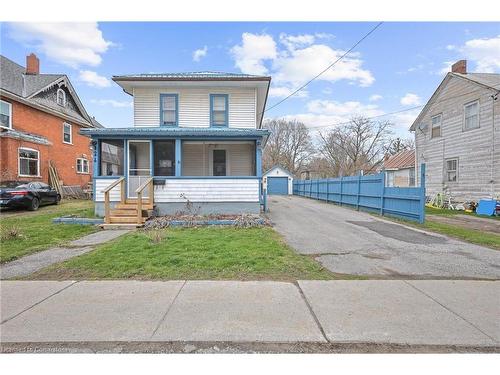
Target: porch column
<point x="258" y="158"/>
<point x="178" y="157"/>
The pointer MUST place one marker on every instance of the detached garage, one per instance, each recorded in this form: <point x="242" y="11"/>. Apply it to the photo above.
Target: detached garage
<point x="278" y="181"/>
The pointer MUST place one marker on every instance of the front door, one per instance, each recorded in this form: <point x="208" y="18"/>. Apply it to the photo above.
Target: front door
<point x="139" y="166"/>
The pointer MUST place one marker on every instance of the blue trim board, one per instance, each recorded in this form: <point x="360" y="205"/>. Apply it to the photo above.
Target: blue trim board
<point x="125" y="165"/>
<point x="206" y="177"/>
<point x="176" y="96"/>
<point x="226" y="98"/>
<point x="178" y="157"/>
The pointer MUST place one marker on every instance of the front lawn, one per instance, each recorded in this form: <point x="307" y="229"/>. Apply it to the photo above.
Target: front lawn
<point x="191" y="253"/>
<point x="446" y="212"/>
<point x="25" y="232"/>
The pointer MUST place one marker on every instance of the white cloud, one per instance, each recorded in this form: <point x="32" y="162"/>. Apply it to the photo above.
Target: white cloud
<point x="73" y="44"/>
<point x="484" y="52"/>
<point x="93" y="79"/>
<point x="450" y="47"/>
<point x="375" y="97"/>
<point x="298" y="60"/>
<point x="402" y="121"/>
<point x="254" y="50"/>
<point x="112" y="103"/>
<point x="446" y="68"/>
<point x="410" y="99"/>
<point x="200" y="53"/>
<point x="283" y="91"/>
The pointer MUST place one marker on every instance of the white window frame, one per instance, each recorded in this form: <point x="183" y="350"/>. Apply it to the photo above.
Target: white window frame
<point x="478" y="113"/>
<point x="70" y="133"/>
<point x="10" y="115"/>
<point x="82" y="160"/>
<point x="440" y="115"/>
<point x="19" y="162"/>
<point x="446" y="171"/>
<point x="63" y="104"/>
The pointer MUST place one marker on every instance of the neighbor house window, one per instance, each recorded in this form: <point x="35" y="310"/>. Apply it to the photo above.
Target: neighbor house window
<point x="111" y="157"/>
<point x="218" y="110"/>
<point x="169" y="109"/>
<point x="436" y="126"/>
<point x="5" y="114"/>
<point x="67" y="133"/>
<point x="411" y="176"/>
<point x="164" y="158"/>
<point x="82" y="165"/>
<point x="452" y="170"/>
<point x="61" y="97"/>
<point x="219" y="163"/>
<point x="29" y="162"/>
<point x="471" y="115"/>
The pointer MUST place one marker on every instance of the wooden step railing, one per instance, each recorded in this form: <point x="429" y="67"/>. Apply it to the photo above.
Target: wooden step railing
<point x="139" y="190"/>
<point x="121" y="181"/>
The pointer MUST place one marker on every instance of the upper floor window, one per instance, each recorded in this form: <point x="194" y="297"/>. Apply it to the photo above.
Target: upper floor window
<point x="471" y="115"/>
<point x="452" y="170"/>
<point x="436" y="126"/>
<point x="5" y="114"/>
<point x="82" y="165"/>
<point x="61" y="97"/>
<point x="29" y="162"/>
<point x="67" y="133"/>
<point x="218" y="109"/>
<point x="169" y="107"/>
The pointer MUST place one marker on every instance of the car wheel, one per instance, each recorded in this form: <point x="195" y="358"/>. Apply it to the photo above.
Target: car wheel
<point x="58" y="199"/>
<point x="35" y="203"/>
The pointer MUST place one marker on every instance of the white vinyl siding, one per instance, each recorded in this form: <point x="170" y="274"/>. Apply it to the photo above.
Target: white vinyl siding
<point x="103" y="183"/>
<point x="208" y="190"/>
<point x="471" y="115"/>
<point x="194" y="106"/>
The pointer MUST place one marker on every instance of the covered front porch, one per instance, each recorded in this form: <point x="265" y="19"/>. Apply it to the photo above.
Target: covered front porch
<point x="214" y="170"/>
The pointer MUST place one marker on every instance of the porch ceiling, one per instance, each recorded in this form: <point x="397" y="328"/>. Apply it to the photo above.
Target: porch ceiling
<point x="199" y="133"/>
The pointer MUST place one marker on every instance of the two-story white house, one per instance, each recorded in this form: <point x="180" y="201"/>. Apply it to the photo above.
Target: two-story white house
<point x="457" y="136"/>
<point x="196" y="136"/>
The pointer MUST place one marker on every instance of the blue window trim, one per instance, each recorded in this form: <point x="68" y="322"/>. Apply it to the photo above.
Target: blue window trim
<point x="226" y="97"/>
<point x="176" y="96"/>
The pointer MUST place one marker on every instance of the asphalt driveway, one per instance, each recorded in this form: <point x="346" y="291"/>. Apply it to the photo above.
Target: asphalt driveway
<point x="350" y="242"/>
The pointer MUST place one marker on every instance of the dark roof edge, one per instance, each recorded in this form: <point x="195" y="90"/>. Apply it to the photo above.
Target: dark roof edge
<point x="173" y="79"/>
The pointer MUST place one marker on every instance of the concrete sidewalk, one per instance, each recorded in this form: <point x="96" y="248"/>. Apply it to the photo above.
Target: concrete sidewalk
<point x="445" y="313"/>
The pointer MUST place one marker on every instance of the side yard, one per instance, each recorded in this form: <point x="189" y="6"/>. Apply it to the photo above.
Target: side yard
<point x="24" y="233"/>
<point x="192" y="253"/>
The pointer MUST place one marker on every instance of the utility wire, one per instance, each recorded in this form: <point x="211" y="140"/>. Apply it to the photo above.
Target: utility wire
<point x="327" y="68"/>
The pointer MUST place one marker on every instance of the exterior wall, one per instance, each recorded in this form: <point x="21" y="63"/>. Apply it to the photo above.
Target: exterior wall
<point x="478" y="163"/>
<point x="215" y="190"/>
<point x="30" y="120"/>
<point x="401" y="178"/>
<point x="194" y="106"/>
<point x="278" y="172"/>
<point x="197" y="158"/>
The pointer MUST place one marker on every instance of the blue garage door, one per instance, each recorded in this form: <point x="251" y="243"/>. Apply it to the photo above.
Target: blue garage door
<point x="277" y="185"/>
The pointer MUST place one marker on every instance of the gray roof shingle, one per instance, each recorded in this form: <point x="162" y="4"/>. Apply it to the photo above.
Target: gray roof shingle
<point x="205" y="75"/>
<point x="487" y="79"/>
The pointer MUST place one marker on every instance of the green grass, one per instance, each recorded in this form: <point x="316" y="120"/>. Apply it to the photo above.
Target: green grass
<point x="192" y="253"/>
<point x="24" y="232"/>
<point x="444" y="212"/>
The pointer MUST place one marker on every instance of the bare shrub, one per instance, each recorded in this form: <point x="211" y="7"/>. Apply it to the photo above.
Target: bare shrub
<point x="156" y="236"/>
<point x="11" y="233"/>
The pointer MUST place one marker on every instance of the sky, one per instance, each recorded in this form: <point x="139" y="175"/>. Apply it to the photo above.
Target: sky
<point x="397" y="67"/>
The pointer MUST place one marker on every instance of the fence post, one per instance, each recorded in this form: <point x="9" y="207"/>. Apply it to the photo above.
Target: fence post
<point x="310" y="188"/>
<point x="359" y="191"/>
<point x="341" y="179"/>
<point x="382" y="182"/>
<point x="421" y="216"/>
<point x="328" y="190"/>
<point x="317" y="191"/>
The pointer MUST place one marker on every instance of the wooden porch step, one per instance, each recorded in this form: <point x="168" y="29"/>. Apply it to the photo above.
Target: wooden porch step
<point x="120" y="226"/>
<point x="130" y="212"/>
<point x="125" y="219"/>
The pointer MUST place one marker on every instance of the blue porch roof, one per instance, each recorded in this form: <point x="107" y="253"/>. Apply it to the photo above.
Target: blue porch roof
<point x="200" y="133"/>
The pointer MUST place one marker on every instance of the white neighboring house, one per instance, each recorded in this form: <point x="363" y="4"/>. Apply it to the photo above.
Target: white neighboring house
<point x="400" y="169"/>
<point x="278" y="181"/>
<point x="197" y="136"/>
<point x="457" y="136"/>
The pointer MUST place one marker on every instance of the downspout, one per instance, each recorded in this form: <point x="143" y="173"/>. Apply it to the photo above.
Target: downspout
<point x="494" y="97"/>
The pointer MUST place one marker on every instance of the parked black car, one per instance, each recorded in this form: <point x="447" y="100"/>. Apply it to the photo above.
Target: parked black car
<point x="30" y="195"/>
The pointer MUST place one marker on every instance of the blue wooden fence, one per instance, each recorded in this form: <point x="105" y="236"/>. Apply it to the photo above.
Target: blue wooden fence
<point x="368" y="192"/>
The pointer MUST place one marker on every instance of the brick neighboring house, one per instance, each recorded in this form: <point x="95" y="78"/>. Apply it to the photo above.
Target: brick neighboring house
<point x="40" y="121"/>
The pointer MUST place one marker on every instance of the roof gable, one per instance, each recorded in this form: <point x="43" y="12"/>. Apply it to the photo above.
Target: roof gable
<point x="275" y="168"/>
<point x="401" y="160"/>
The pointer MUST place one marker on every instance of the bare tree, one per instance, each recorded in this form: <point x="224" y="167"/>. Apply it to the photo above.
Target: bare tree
<point x="357" y="146"/>
<point x="396" y="145"/>
<point x="289" y="145"/>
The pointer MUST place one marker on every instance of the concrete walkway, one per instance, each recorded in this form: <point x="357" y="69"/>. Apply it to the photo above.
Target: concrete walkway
<point x="34" y="262"/>
<point x="443" y="313"/>
<point x="350" y="242"/>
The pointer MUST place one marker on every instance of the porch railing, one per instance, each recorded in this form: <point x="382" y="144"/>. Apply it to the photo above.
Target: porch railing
<point x="106" y="191"/>
<point x="139" y="191"/>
